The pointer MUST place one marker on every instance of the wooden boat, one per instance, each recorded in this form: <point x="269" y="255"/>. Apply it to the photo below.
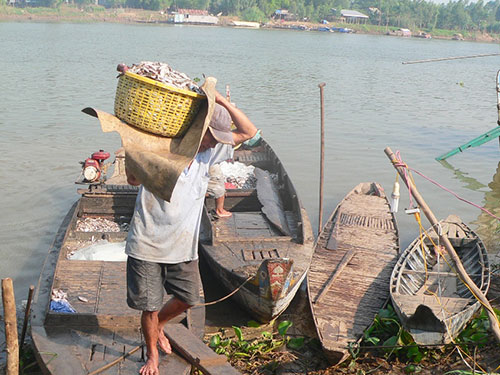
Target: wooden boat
<point x="104" y="331"/>
<point x="431" y="301"/>
<point x="348" y="281"/>
<point x="267" y="241"/>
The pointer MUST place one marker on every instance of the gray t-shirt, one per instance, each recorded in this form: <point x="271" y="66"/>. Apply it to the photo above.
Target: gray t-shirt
<point x="167" y="232"/>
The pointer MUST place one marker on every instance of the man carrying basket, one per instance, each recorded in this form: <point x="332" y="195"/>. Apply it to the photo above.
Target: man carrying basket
<point x="162" y="244"/>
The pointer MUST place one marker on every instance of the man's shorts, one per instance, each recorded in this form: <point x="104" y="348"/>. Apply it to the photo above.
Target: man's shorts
<point x="216" y="188"/>
<point x="146" y="281"/>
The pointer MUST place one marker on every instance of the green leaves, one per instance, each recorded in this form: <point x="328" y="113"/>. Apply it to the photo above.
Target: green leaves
<point x="387" y="330"/>
<point x="296" y="343"/>
<point x="283" y="327"/>
<point x="215" y="341"/>
<point x="238" y="333"/>
<point x="238" y="347"/>
<point x="476" y="332"/>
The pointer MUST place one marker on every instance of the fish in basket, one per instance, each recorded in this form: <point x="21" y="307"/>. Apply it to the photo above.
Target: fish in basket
<point x="157" y="99"/>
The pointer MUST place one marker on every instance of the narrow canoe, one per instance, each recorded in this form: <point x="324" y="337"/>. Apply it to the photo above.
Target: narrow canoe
<point x="103" y="329"/>
<point x="348" y="282"/>
<point x="431" y="301"/>
<point x="268" y="239"/>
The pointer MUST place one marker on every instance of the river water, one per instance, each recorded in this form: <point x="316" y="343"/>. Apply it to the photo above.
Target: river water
<point x="51" y="71"/>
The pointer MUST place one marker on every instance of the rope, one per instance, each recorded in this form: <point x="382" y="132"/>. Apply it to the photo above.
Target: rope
<point x="400" y="163"/>
<point x="225" y="297"/>
<point x="407" y="175"/>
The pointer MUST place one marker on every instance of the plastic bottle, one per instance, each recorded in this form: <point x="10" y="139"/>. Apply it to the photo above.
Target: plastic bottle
<point x="395" y="197"/>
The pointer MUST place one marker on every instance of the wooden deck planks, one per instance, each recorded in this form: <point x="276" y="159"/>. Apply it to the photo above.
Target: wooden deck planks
<point x="244" y="225"/>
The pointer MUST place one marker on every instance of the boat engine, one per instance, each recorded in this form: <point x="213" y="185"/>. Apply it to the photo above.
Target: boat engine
<point x="93" y="166"/>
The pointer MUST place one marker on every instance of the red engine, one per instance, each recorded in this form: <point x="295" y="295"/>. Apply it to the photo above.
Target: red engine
<point x="92" y="167"/>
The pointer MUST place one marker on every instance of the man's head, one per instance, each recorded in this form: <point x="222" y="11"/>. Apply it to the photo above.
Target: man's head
<point x="219" y="129"/>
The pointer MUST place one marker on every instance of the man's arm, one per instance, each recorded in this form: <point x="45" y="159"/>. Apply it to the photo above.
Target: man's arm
<point x="245" y="129"/>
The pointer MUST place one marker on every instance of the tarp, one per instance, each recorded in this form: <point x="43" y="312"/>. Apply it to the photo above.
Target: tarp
<point x="157" y="161"/>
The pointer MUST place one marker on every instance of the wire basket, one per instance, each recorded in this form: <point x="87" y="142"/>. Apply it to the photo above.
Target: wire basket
<point x="154" y="106"/>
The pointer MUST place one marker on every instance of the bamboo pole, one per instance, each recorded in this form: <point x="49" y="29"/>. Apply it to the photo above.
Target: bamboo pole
<point x="494" y="324"/>
<point x="322" y="157"/>
<point x="9" y="308"/>
<point x="450" y="58"/>
<point x="26" y="316"/>
<point x="116" y="361"/>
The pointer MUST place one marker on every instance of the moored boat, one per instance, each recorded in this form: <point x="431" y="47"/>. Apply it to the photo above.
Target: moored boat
<point x="429" y="297"/>
<point x="81" y="323"/>
<point x="348" y="281"/>
<point x="266" y="244"/>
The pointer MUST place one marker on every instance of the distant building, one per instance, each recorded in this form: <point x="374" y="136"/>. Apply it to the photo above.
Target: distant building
<point x="283" y="14"/>
<point x="197" y="16"/>
<point x="353" y="16"/>
<point x="404" y="32"/>
<point x="400" y="32"/>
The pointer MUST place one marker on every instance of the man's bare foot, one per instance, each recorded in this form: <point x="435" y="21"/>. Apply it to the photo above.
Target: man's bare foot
<point x="163" y="343"/>
<point x="223" y="213"/>
<point x="151" y="366"/>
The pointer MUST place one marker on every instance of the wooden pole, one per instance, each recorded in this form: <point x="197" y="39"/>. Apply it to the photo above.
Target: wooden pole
<point x="9" y="308"/>
<point x="26" y="316"/>
<point x="116" y="361"/>
<point x="450" y="58"/>
<point x="494" y="324"/>
<point x="322" y="157"/>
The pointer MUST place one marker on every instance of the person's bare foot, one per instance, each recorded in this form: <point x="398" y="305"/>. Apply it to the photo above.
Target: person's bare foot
<point x="163" y="343"/>
<point x="223" y="213"/>
<point x="151" y="366"/>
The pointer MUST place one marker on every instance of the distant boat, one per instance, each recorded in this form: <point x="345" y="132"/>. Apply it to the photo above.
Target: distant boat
<point x="342" y="30"/>
<point x="327" y="29"/>
<point x="423" y="34"/>
<point x="430" y="299"/>
<point x="245" y="24"/>
<point x="348" y="281"/>
<point x="268" y="240"/>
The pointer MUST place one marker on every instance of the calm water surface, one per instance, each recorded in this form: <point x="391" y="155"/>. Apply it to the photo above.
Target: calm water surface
<point x="51" y="71"/>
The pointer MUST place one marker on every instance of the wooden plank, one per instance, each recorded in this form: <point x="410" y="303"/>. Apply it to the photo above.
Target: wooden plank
<point x="343" y="263"/>
<point x="196" y="352"/>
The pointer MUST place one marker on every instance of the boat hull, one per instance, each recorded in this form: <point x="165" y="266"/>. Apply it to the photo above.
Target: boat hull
<point x="263" y="309"/>
<point x="349" y="275"/>
<point x="265" y="247"/>
<point x="104" y="331"/>
<point x="427" y="294"/>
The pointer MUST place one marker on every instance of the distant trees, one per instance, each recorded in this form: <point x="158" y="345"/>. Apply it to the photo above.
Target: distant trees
<point x="482" y="15"/>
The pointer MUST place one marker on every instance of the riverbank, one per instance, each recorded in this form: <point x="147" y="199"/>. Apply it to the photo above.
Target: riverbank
<point x="91" y="14"/>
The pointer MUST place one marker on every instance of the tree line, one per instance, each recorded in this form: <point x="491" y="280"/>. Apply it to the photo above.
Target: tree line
<point x="413" y="14"/>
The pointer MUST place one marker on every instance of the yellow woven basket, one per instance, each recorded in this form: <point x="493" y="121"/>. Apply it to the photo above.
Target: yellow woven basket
<point x="154" y="106"/>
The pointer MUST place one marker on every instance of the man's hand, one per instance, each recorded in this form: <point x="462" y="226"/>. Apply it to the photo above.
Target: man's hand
<point x="219" y="98"/>
<point x="131" y="179"/>
<point x="245" y="129"/>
